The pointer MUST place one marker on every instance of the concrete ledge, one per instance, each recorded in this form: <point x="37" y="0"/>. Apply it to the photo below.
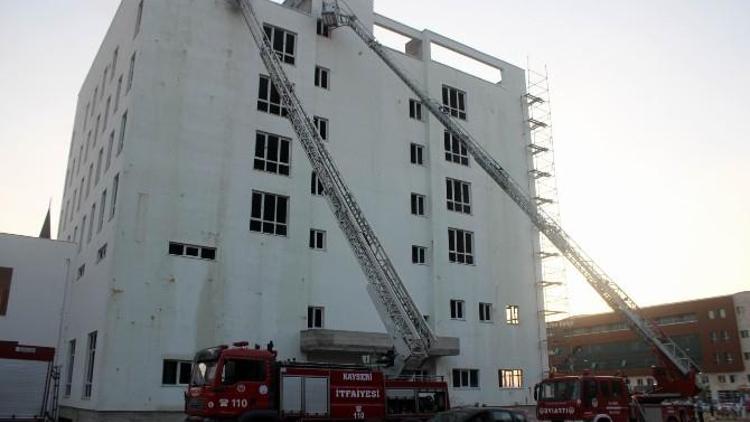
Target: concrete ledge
<point x="364" y="342"/>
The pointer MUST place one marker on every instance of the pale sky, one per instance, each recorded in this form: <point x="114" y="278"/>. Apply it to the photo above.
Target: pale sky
<point x="650" y="117"/>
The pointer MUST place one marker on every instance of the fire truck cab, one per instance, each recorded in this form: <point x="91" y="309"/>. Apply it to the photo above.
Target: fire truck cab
<point x="246" y="384"/>
<point x="578" y="398"/>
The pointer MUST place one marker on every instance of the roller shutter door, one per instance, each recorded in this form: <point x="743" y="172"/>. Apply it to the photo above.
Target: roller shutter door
<point x="22" y="387"/>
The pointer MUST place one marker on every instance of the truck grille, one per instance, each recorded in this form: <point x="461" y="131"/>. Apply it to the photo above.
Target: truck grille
<point x="197" y="404"/>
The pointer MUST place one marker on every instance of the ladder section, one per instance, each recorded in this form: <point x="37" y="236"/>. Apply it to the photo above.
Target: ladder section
<point x="612" y="294"/>
<point x="404" y="322"/>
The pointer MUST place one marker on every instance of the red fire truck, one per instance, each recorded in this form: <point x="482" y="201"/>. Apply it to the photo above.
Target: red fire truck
<point x="600" y="398"/>
<point x="246" y="384"/>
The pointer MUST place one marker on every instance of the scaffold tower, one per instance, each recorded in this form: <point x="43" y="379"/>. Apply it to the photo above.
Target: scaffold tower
<point x="539" y="123"/>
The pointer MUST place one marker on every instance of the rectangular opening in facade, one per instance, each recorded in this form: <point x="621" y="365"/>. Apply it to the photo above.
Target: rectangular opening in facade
<point x="464" y="63"/>
<point x="390" y="38"/>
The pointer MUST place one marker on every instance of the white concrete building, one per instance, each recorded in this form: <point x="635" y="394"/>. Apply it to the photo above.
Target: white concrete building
<point x="198" y="223"/>
<point x="33" y="274"/>
<point x="730" y="387"/>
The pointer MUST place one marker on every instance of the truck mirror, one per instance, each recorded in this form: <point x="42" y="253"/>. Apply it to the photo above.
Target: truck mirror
<point x="536" y="392"/>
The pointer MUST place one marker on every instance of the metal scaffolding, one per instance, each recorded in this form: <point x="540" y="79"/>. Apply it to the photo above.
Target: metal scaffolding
<point x="539" y="123"/>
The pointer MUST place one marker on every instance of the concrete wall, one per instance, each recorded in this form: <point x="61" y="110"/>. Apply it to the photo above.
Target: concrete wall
<point x="40" y="268"/>
<point x="186" y="176"/>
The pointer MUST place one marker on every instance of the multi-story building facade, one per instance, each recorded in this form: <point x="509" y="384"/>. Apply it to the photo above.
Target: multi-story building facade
<point x="199" y="222"/>
<point x="713" y="331"/>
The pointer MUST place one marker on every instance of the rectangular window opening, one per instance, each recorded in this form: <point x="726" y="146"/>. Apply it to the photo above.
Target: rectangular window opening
<point x="321" y="77"/>
<point x="465" y="378"/>
<point x="510" y="378"/>
<point x="416" y="154"/>
<point x="458" y="195"/>
<point x="269" y="100"/>
<point x="269" y="213"/>
<point x="6" y="274"/>
<point x="460" y="246"/>
<point x="317" y="239"/>
<point x="511" y="315"/>
<point x="418" y="254"/>
<point x="415" y="109"/>
<point x="272" y="153"/>
<point x="417" y="204"/>
<point x="282" y="41"/>
<point x="485" y="312"/>
<point x="315" y="317"/>
<point x="457" y="309"/>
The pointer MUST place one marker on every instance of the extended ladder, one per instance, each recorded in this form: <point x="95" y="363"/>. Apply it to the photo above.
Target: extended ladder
<point x="404" y="322"/>
<point x="612" y="294"/>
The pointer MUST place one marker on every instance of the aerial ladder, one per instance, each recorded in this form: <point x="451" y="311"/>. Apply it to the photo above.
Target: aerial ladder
<point x="410" y="333"/>
<point x="675" y="359"/>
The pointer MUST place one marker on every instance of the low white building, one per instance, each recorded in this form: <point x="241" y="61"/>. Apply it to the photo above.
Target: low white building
<point x="33" y="275"/>
<point x="198" y="220"/>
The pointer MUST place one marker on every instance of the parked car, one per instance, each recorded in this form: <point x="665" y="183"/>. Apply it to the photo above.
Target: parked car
<point x="480" y="414"/>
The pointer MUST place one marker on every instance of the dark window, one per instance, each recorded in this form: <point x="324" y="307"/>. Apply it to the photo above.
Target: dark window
<point x="131" y="71"/>
<point x="321" y="77"/>
<point x="317" y="239"/>
<point x="101" y="253"/>
<point x="416" y="154"/>
<point x="616" y="389"/>
<point x="88" y="383"/>
<point x="208" y="253"/>
<point x="455" y="150"/>
<point x="417" y="204"/>
<point x="457" y="309"/>
<point x="237" y="370"/>
<point x="272" y="153"/>
<point x="123" y="126"/>
<point x="465" y="378"/>
<point x="314" y="317"/>
<point x="485" y="312"/>
<point x="321" y="29"/>
<point x="316" y="186"/>
<point x="458" y="195"/>
<point x="269" y="99"/>
<point x="176" y="248"/>
<point x="460" y="246"/>
<point x="282" y="42"/>
<point x="181" y="249"/>
<point x="322" y="125"/>
<point x="454" y="102"/>
<point x="418" y="254"/>
<point x="269" y="213"/>
<point x="5" y="276"/>
<point x="176" y="372"/>
<point x="604" y="388"/>
<point x="138" y="17"/>
<point x="415" y="109"/>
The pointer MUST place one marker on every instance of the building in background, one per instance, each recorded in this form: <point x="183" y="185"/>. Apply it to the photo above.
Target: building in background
<point x="33" y="276"/>
<point x="198" y="220"/>
<point x="713" y="331"/>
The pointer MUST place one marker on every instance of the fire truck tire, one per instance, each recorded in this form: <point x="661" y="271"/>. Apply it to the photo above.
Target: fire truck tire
<point x="602" y="418"/>
<point x="259" y="416"/>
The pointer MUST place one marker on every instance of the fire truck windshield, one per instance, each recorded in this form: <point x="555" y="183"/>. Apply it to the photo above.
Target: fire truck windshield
<point x="560" y="390"/>
<point x="204" y="373"/>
